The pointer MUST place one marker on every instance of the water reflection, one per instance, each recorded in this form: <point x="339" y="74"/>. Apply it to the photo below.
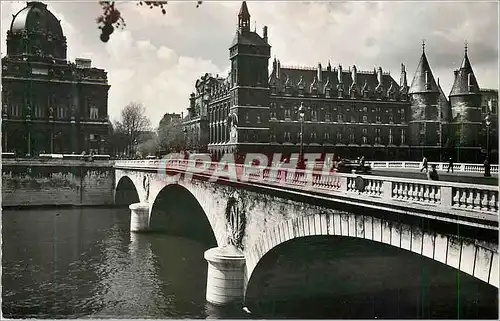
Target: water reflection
<point x="85" y="262"/>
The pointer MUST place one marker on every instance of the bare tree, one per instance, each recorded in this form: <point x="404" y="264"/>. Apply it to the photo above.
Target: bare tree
<point x="133" y="123"/>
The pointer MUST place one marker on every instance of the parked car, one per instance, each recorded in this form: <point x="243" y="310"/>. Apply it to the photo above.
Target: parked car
<point x="350" y="166"/>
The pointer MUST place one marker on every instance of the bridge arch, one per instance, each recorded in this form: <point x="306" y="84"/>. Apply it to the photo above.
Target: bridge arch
<point x="126" y="192"/>
<point x="467" y="256"/>
<point x="177" y="211"/>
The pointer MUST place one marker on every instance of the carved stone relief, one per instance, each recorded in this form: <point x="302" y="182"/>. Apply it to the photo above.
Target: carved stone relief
<point x="235" y="220"/>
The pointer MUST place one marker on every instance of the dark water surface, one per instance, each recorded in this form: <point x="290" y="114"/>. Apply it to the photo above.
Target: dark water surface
<point x="76" y="263"/>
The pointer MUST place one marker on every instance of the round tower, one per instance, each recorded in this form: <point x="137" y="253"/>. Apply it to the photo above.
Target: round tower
<point x="466" y="122"/>
<point x="424" y="125"/>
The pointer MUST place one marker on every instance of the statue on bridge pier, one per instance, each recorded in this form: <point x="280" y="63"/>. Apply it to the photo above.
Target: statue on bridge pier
<point x="236" y="220"/>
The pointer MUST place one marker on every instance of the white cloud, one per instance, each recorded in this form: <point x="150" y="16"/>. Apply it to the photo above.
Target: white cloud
<point x="157" y="59"/>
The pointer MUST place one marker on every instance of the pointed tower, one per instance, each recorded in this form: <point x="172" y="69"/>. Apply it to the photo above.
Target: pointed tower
<point x="249" y="54"/>
<point x="424" y="123"/>
<point x="465" y="101"/>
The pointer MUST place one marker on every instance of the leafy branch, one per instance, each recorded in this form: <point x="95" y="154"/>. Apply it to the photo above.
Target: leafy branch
<point x="111" y="17"/>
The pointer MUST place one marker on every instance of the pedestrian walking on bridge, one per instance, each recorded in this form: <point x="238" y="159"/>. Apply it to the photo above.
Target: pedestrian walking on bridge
<point x="450" y="165"/>
<point x="424" y="165"/>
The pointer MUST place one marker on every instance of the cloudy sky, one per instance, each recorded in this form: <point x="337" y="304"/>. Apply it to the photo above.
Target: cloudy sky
<point x="156" y="59"/>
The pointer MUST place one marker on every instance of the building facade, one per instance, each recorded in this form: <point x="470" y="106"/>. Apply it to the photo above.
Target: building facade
<point x="348" y="112"/>
<point x="50" y="105"/>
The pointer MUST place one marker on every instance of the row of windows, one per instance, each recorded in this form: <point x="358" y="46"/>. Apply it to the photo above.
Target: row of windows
<point x="343" y="138"/>
<point x="326" y="116"/>
<point x="60" y="112"/>
<point x="340" y="108"/>
<point x="325" y="138"/>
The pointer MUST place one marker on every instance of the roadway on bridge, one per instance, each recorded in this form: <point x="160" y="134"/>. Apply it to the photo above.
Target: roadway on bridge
<point x="458" y="177"/>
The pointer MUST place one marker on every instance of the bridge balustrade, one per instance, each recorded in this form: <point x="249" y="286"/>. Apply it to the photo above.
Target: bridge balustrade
<point x="446" y="195"/>
<point x="457" y="167"/>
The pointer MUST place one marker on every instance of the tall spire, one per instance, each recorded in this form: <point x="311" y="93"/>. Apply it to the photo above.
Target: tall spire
<point x="244" y="18"/>
<point x="423" y="80"/>
<point x="465" y="80"/>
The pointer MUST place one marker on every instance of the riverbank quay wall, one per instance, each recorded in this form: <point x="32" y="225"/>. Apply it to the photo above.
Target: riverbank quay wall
<point x="42" y="182"/>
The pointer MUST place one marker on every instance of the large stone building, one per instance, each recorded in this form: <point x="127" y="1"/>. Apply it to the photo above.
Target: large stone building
<point x="50" y="105"/>
<point x="347" y="111"/>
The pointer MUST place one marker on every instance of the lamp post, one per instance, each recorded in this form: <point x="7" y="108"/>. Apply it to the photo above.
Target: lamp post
<point x="302" y="112"/>
<point x="185" y="137"/>
<point x="487" y="121"/>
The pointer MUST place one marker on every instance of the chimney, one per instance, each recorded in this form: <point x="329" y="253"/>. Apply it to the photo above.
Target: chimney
<point x="329" y="67"/>
<point x="339" y="74"/>
<point x="354" y="75"/>
<point x="320" y="73"/>
<point x="379" y="76"/>
<point x="264" y="31"/>
<point x="403" y="81"/>
<point x="278" y="70"/>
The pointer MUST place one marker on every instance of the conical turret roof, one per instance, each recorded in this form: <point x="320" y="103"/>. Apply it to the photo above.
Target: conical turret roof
<point x="418" y="83"/>
<point x="461" y="83"/>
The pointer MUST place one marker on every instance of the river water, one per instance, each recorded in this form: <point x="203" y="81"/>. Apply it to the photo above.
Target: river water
<point x="84" y="263"/>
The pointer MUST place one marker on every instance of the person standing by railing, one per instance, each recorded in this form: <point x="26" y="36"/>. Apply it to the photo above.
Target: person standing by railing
<point x="450" y="165"/>
<point x="433" y="174"/>
<point x="487" y="168"/>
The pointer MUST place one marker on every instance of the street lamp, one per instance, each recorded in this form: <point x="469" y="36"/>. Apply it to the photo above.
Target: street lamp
<point x="487" y="121"/>
<point x="302" y="112"/>
<point x="185" y="137"/>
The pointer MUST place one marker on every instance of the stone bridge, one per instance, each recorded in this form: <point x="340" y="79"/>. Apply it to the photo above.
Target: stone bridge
<point x="451" y="223"/>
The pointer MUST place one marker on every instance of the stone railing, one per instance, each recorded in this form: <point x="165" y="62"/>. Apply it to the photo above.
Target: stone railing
<point x="458" y="167"/>
<point x="447" y="196"/>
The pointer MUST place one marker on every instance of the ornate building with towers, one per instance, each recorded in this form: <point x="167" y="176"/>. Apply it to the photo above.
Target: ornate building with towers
<point x="346" y="111"/>
<point x="50" y="105"/>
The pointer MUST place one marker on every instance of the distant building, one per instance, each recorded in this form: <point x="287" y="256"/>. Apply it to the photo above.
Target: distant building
<point x="170" y="117"/>
<point x="49" y="104"/>
<point x="348" y="112"/>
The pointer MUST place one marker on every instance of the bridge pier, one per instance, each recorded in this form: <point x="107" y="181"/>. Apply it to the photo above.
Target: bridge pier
<point x="139" y="217"/>
<point x="226" y="276"/>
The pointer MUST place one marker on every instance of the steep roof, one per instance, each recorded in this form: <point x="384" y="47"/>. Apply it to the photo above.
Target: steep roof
<point x="418" y="83"/>
<point x="308" y="76"/>
<point x="444" y="105"/>
<point x="461" y="83"/>
<point x="249" y="38"/>
<point x="244" y="10"/>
